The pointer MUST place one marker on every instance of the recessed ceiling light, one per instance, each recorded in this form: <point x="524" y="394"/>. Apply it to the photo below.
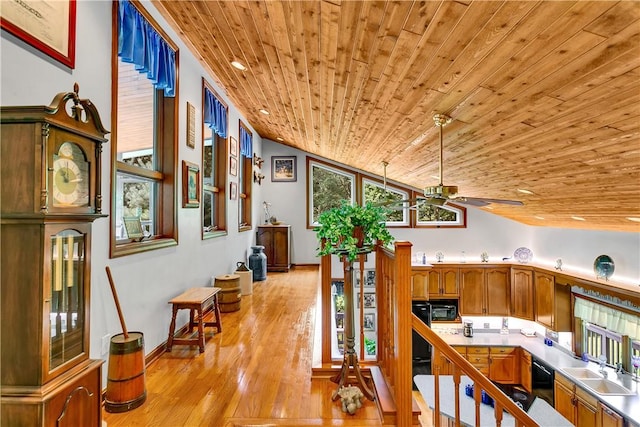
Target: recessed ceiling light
<point x="239" y="65"/>
<point x="263" y="111"/>
<point x="280" y="138"/>
<point x="631" y="218"/>
<point x="522" y="190"/>
<point x="538" y="217"/>
<point x="435" y="177"/>
<point x="578" y="218"/>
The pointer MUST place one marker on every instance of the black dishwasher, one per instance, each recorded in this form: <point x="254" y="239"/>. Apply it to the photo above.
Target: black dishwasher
<point x="542" y="377"/>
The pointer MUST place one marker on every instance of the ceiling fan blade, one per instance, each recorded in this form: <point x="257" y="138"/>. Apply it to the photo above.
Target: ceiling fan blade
<point x="481" y="201"/>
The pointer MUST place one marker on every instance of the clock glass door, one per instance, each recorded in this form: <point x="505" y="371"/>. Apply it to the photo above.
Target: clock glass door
<point x="66" y="314"/>
<point x="70" y="176"/>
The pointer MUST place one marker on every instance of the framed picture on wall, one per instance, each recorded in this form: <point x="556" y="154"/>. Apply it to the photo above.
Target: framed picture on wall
<point x="233" y="191"/>
<point x="233" y="146"/>
<point x="368" y="298"/>
<point x="233" y="166"/>
<point x="369" y="322"/>
<point x="283" y="169"/>
<point x="48" y="26"/>
<point x="190" y="185"/>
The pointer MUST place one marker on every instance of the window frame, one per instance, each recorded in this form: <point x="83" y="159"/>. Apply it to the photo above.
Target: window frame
<point x="220" y="174"/>
<point x="245" y="181"/>
<point x="166" y="131"/>
<point x="461" y="223"/>
<point x="404" y="192"/>
<point x="334" y="168"/>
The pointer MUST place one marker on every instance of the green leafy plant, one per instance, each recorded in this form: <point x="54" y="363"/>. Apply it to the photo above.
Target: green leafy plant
<point x="339" y="301"/>
<point x="370" y="346"/>
<point x="351" y="229"/>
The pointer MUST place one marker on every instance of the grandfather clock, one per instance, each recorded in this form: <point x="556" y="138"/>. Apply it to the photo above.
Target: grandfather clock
<point x="50" y="195"/>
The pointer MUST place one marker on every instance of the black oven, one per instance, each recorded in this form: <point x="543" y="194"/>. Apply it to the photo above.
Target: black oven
<point x="542" y="377"/>
<point x="444" y="310"/>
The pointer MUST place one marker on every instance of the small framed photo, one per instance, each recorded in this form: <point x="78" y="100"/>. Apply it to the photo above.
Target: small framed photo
<point x="191" y="125"/>
<point x="233" y="191"/>
<point x="233" y="146"/>
<point x="190" y="185"/>
<point x="233" y="166"/>
<point x="133" y="226"/>
<point x="283" y="169"/>
<point x="369" y="300"/>
<point x="369" y="278"/>
<point x="369" y="322"/>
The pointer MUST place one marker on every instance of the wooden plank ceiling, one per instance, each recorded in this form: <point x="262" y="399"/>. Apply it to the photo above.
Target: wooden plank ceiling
<point x="544" y="96"/>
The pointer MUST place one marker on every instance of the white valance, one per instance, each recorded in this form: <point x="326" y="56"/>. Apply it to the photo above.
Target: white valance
<point x="607" y="317"/>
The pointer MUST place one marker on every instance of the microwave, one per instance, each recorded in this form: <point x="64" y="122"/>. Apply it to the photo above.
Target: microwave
<point x="444" y="310"/>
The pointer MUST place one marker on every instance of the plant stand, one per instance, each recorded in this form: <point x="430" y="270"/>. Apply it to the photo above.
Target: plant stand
<point x="350" y="361"/>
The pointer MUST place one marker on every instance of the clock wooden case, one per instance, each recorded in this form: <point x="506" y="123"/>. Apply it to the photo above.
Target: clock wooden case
<point x="50" y="191"/>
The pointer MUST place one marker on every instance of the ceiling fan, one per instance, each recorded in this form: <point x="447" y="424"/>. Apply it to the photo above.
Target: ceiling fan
<point x="439" y="195"/>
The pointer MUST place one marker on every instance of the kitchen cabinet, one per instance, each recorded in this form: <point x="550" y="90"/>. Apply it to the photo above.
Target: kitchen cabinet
<point x="479" y="358"/>
<point x="575" y="404"/>
<point x="525" y="370"/>
<point x="440" y="361"/>
<point x="444" y="283"/>
<point x="608" y="418"/>
<point x="522" y="293"/>
<point x="504" y="366"/>
<point x="275" y="239"/>
<point x="434" y="283"/>
<point x="552" y="303"/>
<point x="484" y="291"/>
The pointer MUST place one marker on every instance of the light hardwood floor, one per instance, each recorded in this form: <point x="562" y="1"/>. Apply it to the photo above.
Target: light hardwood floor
<point x="256" y="372"/>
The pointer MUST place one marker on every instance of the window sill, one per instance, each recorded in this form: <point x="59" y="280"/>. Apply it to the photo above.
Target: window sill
<point x="213" y="234"/>
<point x="244" y="228"/>
<point x="144" y="246"/>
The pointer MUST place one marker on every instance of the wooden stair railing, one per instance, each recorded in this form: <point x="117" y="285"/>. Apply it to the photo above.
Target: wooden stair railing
<point x="501" y="401"/>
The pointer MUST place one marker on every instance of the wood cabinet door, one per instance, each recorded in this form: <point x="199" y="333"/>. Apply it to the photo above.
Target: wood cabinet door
<point x="586" y="414"/>
<point x="449" y="283"/>
<point x="497" y="292"/>
<point x="419" y="284"/>
<point x="563" y="401"/>
<point x="433" y="283"/>
<point x="503" y="368"/>
<point x="525" y="370"/>
<point x="264" y="238"/>
<point x="544" y="299"/>
<point x="472" y="291"/>
<point x="608" y="418"/>
<point x="522" y="293"/>
<point x="281" y="247"/>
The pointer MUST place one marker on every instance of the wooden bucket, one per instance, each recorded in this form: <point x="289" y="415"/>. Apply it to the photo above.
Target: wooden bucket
<point x="230" y="294"/>
<point x="125" y="378"/>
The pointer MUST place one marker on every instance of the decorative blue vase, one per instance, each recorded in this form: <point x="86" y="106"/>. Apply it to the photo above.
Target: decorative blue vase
<point x="258" y="263"/>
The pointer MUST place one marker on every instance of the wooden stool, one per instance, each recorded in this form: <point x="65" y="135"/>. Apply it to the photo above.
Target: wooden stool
<point x="195" y="299"/>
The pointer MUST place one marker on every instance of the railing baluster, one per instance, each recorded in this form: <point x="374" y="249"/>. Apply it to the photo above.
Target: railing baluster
<point x="436" y="390"/>
<point x="456" y="390"/>
<point x="477" y="397"/>
<point x="498" y="410"/>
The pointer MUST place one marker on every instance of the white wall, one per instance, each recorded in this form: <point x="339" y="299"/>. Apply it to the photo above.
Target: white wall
<point x="145" y="282"/>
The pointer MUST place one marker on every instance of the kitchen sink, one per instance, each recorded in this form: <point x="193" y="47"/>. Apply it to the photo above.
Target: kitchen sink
<point x="605" y="386"/>
<point x="581" y="373"/>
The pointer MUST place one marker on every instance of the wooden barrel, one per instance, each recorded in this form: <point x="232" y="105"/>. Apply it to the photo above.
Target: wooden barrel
<point x="125" y="379"/>
<point x="230" y="294"/>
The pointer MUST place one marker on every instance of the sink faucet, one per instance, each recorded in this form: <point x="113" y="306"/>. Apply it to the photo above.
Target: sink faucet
<point x="603" y="362"/>
<point x="619" y="369"/>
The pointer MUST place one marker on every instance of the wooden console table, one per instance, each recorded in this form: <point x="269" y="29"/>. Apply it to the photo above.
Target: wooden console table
<point x="195" y="300"/>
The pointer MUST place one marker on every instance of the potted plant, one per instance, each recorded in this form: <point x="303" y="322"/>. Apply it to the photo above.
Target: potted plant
<point x="350" y="230"/>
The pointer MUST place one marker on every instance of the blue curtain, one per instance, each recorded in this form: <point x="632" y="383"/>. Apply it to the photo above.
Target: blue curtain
<point x="215" y="114"/>
<point x="246" y="143"/>
<point x="140" y="44"/>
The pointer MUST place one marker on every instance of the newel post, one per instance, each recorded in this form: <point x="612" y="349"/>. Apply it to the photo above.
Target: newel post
<point x="325" y="297"/>
<point x="403" y="345"/>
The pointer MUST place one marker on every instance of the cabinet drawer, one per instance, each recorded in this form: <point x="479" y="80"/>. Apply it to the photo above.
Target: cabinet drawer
<point x="460" y="349"/>
<point x="502" y="350"/>
<point x="565" y="382"/>
<point x="587" y="397"/>
<point x="478" y="359"/>
<point x="477" y="350"/>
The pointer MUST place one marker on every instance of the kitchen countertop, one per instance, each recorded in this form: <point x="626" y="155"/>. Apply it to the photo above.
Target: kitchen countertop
<point x="627" y="406"/>
<point x="540" y="411"/>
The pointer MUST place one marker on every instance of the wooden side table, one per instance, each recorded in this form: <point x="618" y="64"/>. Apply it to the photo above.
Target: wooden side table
<point x="195" y="300"/>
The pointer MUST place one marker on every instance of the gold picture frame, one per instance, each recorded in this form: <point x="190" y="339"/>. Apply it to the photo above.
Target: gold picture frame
<point x="190" y="185"/>
<point x="133" y="226"/>
<point x="191" y="125"/>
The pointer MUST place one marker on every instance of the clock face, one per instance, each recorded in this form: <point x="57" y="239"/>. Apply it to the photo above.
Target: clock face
<point x="70" y="177"/>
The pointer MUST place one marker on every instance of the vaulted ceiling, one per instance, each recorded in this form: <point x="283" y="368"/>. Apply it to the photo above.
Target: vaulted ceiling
<point x="544" y="96"/>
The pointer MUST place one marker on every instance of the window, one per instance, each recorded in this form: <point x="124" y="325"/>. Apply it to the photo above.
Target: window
<point x="598" y="341"/>
<point x="144" y="137"/>
<point x="214" y="164"/>
<point x="328" y="186"/>
<point x="245" y="178"/>
<point x="376" y="193"/>
<point x="440" y="216"/>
